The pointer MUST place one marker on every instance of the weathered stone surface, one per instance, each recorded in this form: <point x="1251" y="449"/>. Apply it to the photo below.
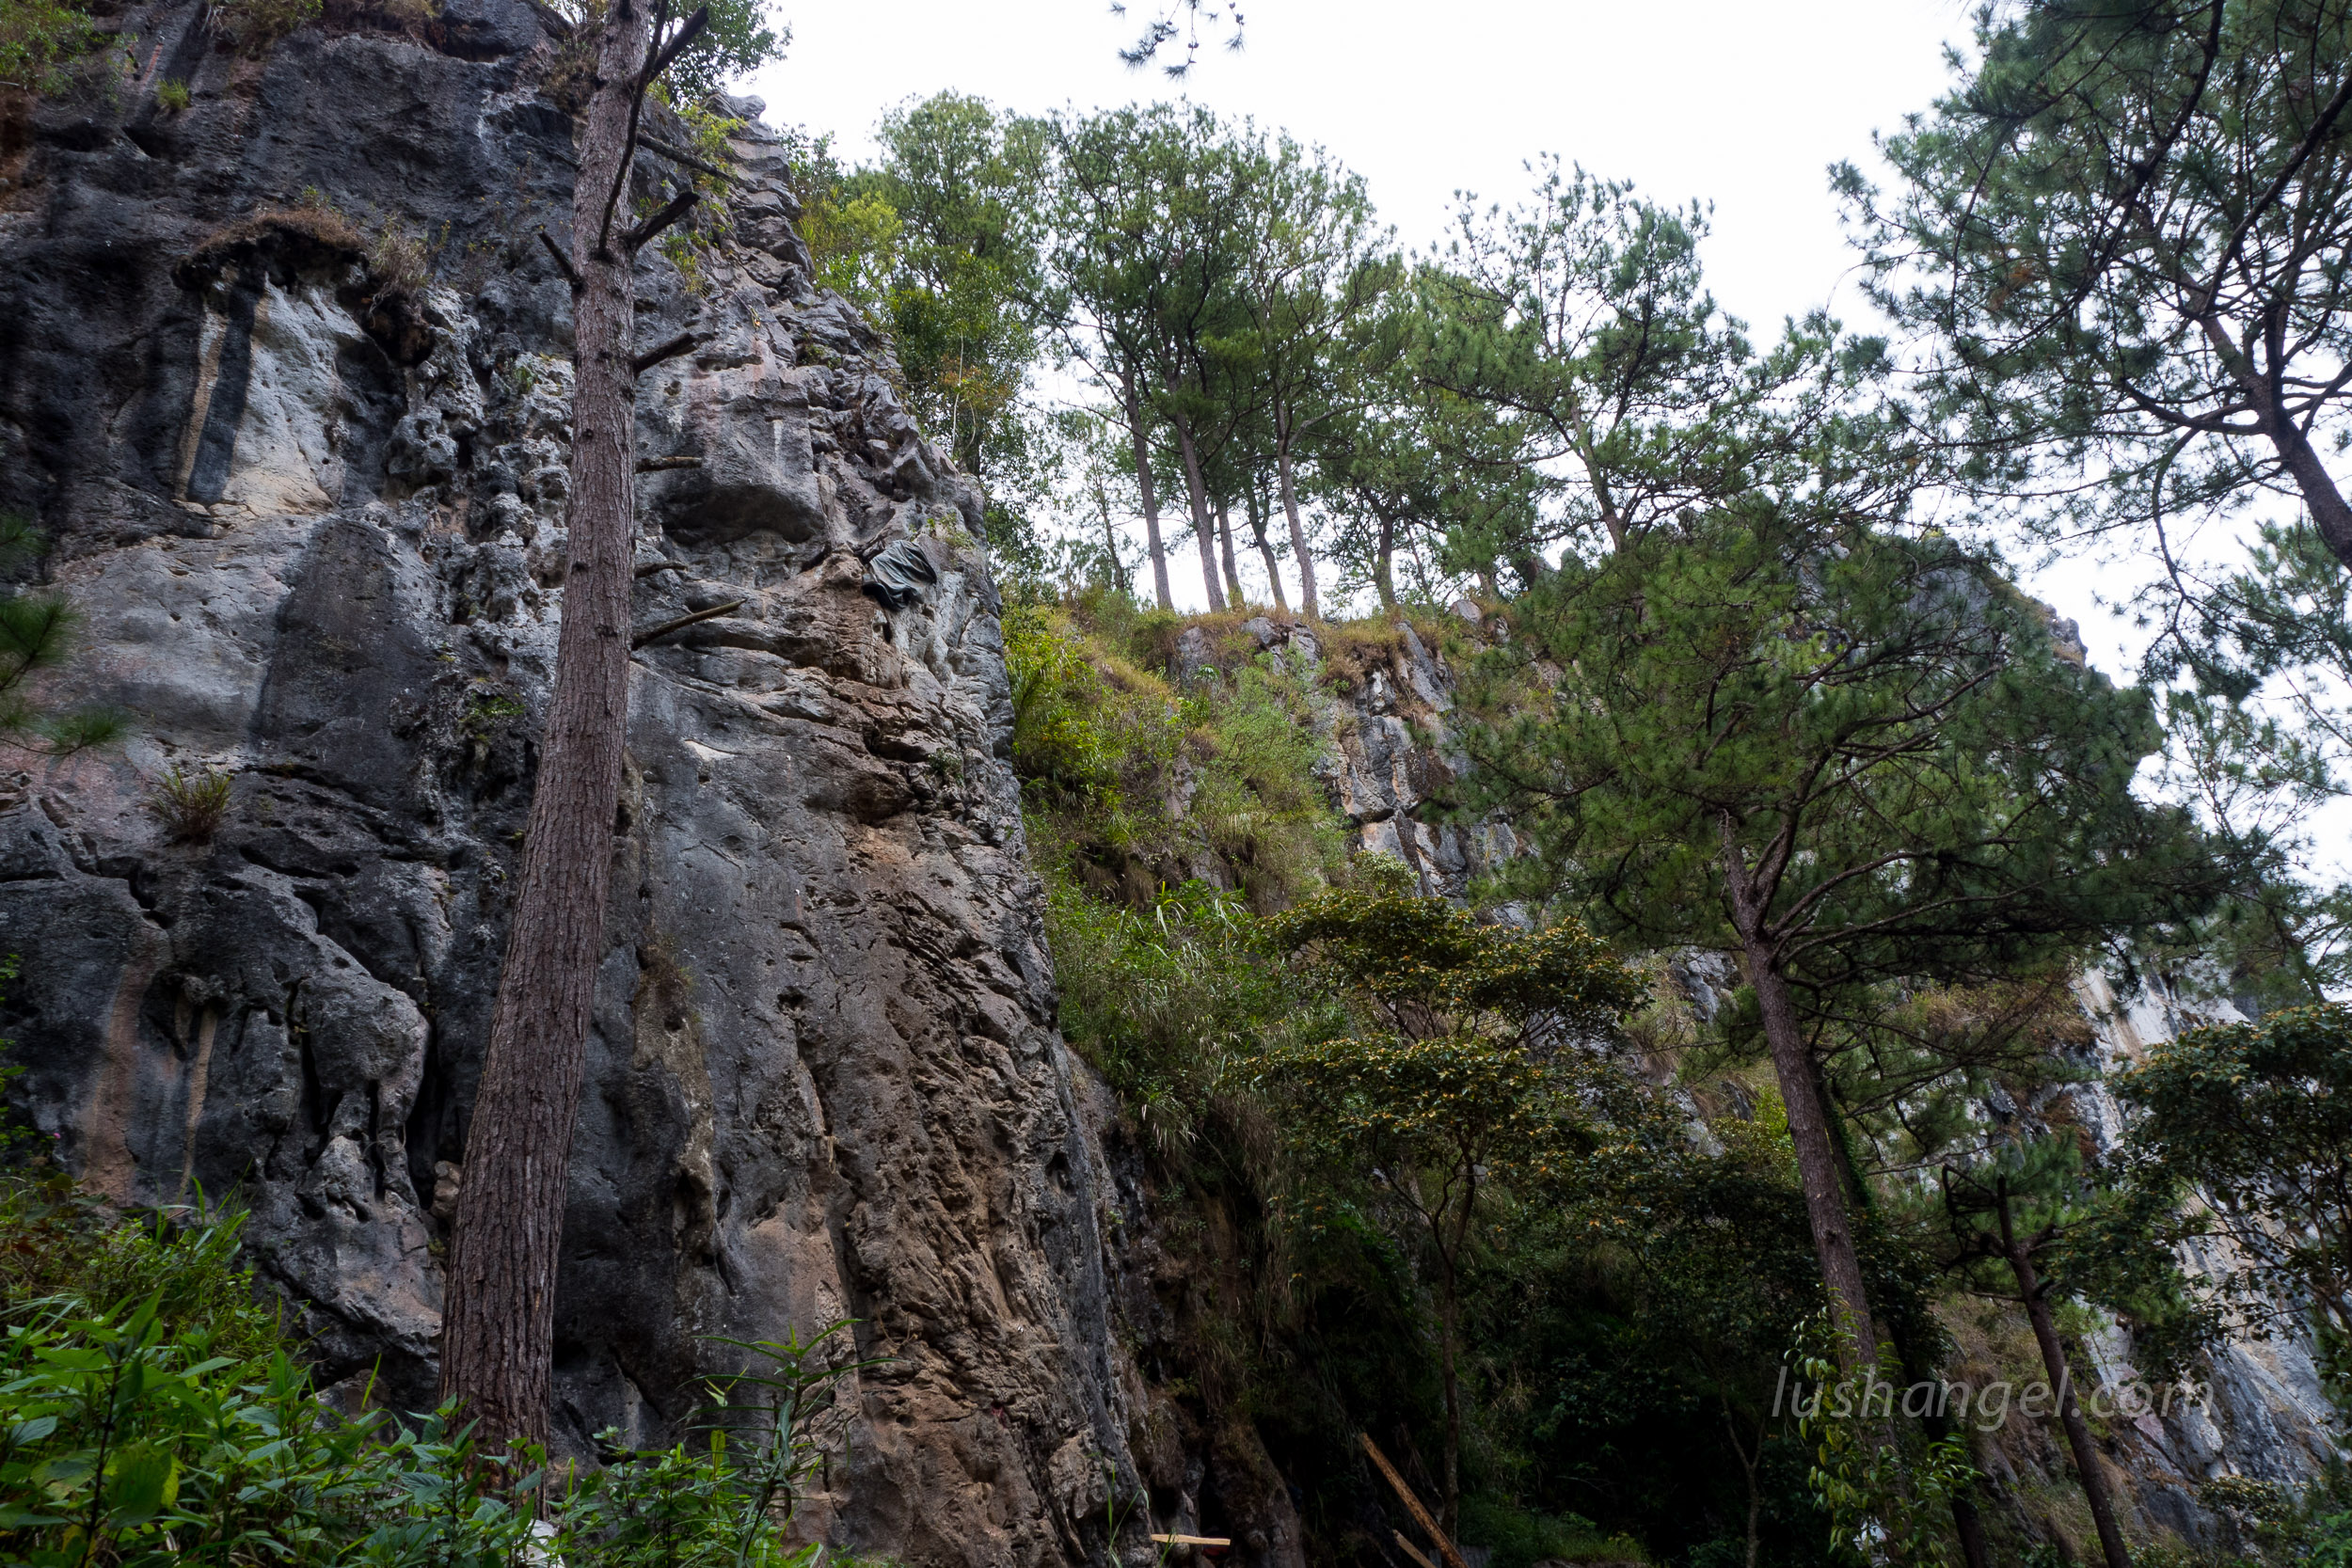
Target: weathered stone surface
<point x="317" y="532"/>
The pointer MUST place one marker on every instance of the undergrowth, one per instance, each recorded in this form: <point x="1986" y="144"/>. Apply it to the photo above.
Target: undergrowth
<point x="155" y="1410"/>
<point x="1139" y="786"/>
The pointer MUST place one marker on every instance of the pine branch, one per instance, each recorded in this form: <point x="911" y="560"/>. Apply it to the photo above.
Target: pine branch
<point x="659" y="464"/>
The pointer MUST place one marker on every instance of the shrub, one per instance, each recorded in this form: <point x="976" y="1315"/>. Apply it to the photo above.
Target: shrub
<point x="175" y="1426"/>
<point x="171" y="95"/>
<point x="1123" y="768"/>
<point x="1161" y="1001"/>
<point x="191" y="807"/>
<point x="37" y="39"/>
<point x="255" y="26"/>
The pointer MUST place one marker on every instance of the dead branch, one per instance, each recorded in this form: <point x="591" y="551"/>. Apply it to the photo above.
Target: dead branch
<point x="666" y="627"/>
<point x="676" y="208"/>
<point x="685" y="343"/>
<point x="571" y="273"/>
<point x="680" y="156"/>
<point x="688" y="31"/>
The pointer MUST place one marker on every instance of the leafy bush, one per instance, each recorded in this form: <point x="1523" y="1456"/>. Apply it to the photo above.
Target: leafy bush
<point x="1122" y="769"/>
<point x="37" y="37"/>
<point x="174" y="1425"/>
<point x="1520" y="1539"/>
<point x="1162" y="1001"/>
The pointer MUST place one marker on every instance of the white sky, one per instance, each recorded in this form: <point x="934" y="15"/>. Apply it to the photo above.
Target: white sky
<point x="1743" y="104"/>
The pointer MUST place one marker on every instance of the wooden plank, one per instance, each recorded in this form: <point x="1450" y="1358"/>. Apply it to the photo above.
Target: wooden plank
<point x="1412" y="1504"/>
<point x="1412" y="1551"/>
<point x="1194" y="1540"/>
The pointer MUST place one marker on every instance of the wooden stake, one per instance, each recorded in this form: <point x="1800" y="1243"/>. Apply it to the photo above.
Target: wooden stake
<point x="1194" y="1540"/>
<point x="1412" y="1504"/>
<point x="1412" y="1551"/>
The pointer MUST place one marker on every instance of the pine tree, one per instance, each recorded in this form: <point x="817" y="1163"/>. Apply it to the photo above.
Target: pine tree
<point x="498" y="1323"/>
<point x="1847" y="757"/>
<point x="2125" y="231"/>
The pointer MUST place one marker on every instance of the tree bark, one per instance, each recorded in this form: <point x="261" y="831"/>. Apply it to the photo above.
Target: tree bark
<point x="1306" y="605"/>
<point x="498" y="1332"/>
<point x="1808" y="1124"/>
<point x="1747" y="1469"/>
<point x="1450" y="1506"/>
<point x="1383" y="565"/>
<point x="1203" y="525"/>
<point x="1266" y="551"/>
<point x="1225" y="555"/>
<point x="2029" y="1291"/>
<point x="1140" y="437"/>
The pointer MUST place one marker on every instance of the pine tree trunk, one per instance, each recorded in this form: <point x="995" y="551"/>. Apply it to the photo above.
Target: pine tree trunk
<point x="2061" y="1379"/>
<point x="1298" y="536"/>
<point x="1203" y="525"/>
<point x="1136" y="433"/>
<point x="1383" y="565"/>
<point x="1816" y="1160"/>
<point x="1266" y="551"/>
<point x="1225" y="555"/>
<point x="498" y="1325"/>
<point x="1808" y="1123"/>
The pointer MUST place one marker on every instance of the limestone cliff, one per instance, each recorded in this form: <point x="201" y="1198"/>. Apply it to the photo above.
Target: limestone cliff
<point x="312" y="514"/>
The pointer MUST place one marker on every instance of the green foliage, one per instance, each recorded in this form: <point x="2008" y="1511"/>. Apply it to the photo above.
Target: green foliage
<point x="2124" y="225"/>
<point x="1884" y="1505"/>
<point x="1151" y="786"/>
<point x="1422" y="960"/>
<point x="1582" y="312"/>
<point x="1520" y="1539"/>
<point x="1165" y="1001"/>
<point x="1460" y="1069"/>
<point x="153" y="1411"/>
<point x="1875" y="730"/>
<point x="171" y="95"/>
<point x="37" y="38"/>
<point x="742" y="36"/>
<point x="2091" y="1236"/>
<point x="2257" y="1120"/>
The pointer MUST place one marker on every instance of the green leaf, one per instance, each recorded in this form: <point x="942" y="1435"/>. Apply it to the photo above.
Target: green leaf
<point x="142" y="1483"/>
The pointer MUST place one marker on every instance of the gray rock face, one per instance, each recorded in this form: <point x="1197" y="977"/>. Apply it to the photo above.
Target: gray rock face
<point x="316" y="529"/>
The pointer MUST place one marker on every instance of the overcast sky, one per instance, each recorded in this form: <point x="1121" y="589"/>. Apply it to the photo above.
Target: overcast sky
<point x="1742" y="104"/>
